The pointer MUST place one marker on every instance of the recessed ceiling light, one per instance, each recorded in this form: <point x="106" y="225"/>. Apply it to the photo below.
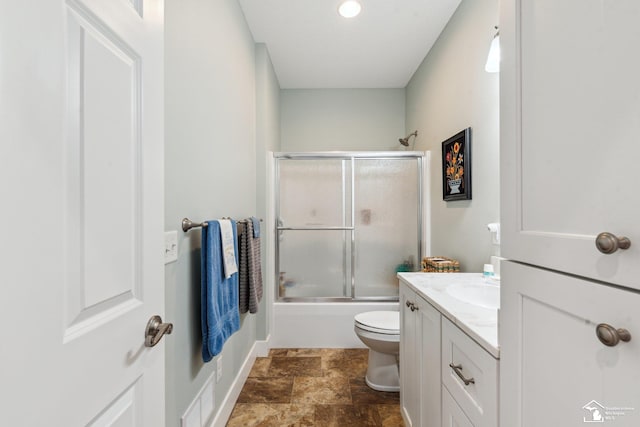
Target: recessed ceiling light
<point x="349" y="9"/>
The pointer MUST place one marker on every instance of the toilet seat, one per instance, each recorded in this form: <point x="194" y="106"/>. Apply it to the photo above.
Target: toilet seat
<point x="380" y="322"/>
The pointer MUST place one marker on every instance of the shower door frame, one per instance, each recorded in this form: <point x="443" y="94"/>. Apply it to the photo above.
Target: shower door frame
<point x="351" y="156"/>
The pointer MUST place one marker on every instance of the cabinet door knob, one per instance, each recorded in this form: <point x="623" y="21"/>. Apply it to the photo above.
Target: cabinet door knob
<point x="610" y="336"/>
<point x="608" y="243"/>
<point x="409" y="303"/>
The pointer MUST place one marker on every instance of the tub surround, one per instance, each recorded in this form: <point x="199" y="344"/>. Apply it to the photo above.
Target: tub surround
<point x="477" y="321"/>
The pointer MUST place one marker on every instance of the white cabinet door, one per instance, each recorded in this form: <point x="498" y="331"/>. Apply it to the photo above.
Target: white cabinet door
<point x="429" y="328"/>
<point x="81" y="158"/>
<point x="554" y="370"/>
<point x="420" y="395"/>
<point x="570" y="134"/>
<point x="452" y="414"/>
<point x="409" y="356"/>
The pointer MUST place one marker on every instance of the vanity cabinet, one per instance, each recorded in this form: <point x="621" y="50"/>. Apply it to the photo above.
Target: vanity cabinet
<point x="419" y="360"/>
<point x="470" y="375"/>
<point x="432" y="348"/>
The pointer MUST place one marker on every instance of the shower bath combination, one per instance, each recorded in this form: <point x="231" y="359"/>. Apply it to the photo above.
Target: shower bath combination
<point x="346" y="221"/>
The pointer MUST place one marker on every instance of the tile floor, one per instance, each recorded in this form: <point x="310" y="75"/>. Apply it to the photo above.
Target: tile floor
<point x="313" y="387"/>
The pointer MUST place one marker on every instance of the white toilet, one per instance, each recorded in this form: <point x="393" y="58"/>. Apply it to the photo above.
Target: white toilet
<point x="380" y="331"/>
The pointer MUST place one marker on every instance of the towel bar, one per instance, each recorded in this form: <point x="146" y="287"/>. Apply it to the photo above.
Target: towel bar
<point x="187" y="224"/>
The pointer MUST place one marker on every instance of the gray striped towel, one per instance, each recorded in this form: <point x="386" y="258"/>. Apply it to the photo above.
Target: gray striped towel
<point x="250" y="274"/>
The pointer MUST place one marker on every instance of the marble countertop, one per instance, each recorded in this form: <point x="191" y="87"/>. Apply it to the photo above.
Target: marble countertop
<point x="479" y="322"/>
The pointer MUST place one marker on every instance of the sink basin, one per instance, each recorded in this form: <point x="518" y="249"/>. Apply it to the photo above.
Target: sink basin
<point x="484" y="295"/>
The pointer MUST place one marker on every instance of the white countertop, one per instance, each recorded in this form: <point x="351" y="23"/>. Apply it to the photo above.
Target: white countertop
<point x="480" y="323"/>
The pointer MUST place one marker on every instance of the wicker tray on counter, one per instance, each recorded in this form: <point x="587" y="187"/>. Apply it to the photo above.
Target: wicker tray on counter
<point x="440" y="264"/>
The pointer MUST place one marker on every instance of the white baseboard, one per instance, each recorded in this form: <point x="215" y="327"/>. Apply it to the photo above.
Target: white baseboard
<point x="262" y="347"/>
<point x="259" y="349"/>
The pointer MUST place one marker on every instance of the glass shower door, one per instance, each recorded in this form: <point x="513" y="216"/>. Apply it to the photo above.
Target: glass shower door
<point x="314" y="231"/>
<point x="347" y="222"/>
<point x="387" y="224"/>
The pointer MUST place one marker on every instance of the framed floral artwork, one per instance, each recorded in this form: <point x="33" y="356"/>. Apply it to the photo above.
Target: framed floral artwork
<point x="456" y="167"/>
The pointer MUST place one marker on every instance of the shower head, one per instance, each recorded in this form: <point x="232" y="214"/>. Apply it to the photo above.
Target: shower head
<point x="405" y="141"/>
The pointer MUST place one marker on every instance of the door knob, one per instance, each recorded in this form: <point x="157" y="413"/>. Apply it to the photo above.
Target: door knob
<point x="610" y="336"/>
<point x="156" y="330"/>
<point x="608" y="243"/>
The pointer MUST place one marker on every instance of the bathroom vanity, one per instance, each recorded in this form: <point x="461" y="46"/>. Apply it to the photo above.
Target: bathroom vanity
<point x="449" y="354"/>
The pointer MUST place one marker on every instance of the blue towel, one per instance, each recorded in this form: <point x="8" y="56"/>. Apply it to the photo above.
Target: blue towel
<point x="256" y="227"/>
<point x="219" y="314"/>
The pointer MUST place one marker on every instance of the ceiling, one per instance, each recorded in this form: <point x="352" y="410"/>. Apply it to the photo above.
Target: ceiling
<point x="311" y="46"/>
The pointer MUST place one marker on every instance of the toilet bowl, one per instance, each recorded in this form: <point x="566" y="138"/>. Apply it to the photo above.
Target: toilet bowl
<point x="380" y="331"/>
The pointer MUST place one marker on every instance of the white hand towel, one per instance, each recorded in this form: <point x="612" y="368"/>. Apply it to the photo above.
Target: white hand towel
<point x="228" y="251"/>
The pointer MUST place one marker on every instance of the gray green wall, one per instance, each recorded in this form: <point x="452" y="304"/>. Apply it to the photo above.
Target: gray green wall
<point x="224" y="111"/>
<point x="267" y="140"/>
<point x="451" y="91"/>
<point x="341" y="119"/>
<point x="221" y="115"/>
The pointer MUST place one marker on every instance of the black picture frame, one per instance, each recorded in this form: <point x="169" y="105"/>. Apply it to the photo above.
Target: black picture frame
<point x="456" y="167"/>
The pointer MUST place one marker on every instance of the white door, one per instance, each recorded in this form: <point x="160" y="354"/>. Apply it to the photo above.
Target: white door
<point x="570" y="134"/>
<point x="554" y="370"/>
<point x="81" y="161"/>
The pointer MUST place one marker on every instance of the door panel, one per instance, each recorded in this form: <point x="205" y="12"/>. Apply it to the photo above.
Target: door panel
<point x="386" y="221"/>
<point x="82" y="168"/>
<point x="551" y="356"/>
<point x="570" y="120"/>
<point x="314" y="193"/>
<point x="103" y="174"/>
<point x="313" y="263"/>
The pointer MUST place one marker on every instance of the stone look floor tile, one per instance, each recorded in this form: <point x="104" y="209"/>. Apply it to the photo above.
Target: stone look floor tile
<point x="313" y="387"/>
<point x="362" y="394"/>
<point x="266" y="390"/>
<point x="272" y="415"/>
<point x="278" y="352"/>
<point x="313" y="352"/>
<point x="295" y="367"/>
<point x="349" y="363"/>
<point x="322" y="390"/>
<point x="260" y="367"/>
<point x="390" y="415"/>
<point x="347" y="415"/>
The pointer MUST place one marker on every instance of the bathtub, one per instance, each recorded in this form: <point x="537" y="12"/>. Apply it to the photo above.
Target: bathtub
<point x="320" y="324"/>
